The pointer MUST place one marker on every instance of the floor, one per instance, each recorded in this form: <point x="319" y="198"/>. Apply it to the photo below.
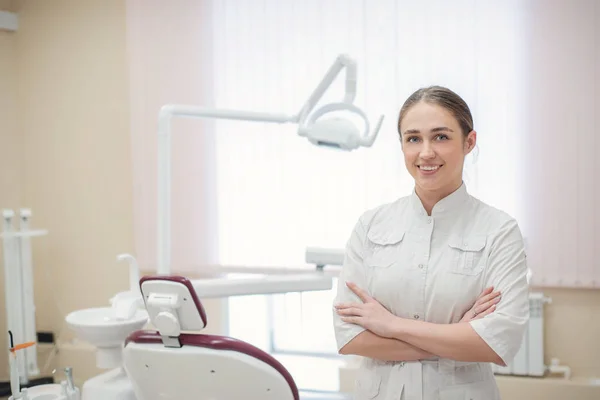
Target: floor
<point x="303" y="396"/>
<point x="320" y="396"/>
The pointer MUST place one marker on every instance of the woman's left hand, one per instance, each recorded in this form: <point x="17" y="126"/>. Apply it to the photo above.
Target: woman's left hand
<point x="370" y="314"/>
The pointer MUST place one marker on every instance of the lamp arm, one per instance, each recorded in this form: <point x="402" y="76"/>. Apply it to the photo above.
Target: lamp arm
<point x="170" y="110"/>
<point x="367" y="141"/>
<point x="341" y="62"/>
<point x="164" y="163"/>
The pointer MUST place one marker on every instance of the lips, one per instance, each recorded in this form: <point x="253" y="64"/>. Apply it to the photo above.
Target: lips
<point x="429" y="169"/>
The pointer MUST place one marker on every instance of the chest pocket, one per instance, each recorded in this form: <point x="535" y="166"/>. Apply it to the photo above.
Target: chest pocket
<point x="386" y="248"/>
<point x="467" y="254"/>
<point x="368" y="384"/>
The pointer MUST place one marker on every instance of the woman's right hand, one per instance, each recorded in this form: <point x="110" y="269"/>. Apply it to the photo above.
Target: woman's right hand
<point x="484" y="305"/>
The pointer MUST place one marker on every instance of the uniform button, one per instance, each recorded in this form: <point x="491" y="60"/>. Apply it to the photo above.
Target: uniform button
<point x="421" y="266"/>
<point x="416" y="316"/>
<point x="429" y="220"/>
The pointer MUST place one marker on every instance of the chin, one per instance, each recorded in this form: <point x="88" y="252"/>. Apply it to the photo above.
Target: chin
<point x="429" y="181"/>
<point x="437" y="184"/>
<point x="431" y="184"/>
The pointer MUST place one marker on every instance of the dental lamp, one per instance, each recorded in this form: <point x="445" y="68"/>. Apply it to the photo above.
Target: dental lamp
<point x="333" y="132"/>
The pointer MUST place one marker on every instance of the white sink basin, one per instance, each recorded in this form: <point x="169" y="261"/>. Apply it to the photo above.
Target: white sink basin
<point x="100" y="327"/>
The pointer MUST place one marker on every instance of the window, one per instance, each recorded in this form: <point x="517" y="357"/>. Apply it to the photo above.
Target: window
<point x="295" y="328"/>
<point x="298" y="320"/>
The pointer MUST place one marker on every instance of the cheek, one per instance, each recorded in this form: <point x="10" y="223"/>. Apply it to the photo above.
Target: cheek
<point x="454" y="159"/>
<point x="410" y="155"/>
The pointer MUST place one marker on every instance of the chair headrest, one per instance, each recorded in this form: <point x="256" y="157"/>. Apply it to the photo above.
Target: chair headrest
<point x="172" y="304"/>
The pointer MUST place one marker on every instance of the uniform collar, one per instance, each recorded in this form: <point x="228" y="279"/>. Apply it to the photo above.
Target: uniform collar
<point x="448" y="205"/>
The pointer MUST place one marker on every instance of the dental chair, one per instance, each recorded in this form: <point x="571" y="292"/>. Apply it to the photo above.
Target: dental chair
<point x="178" y="362"/>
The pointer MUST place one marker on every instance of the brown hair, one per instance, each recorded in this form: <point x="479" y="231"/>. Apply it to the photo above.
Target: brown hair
<point x="442" y="97"/>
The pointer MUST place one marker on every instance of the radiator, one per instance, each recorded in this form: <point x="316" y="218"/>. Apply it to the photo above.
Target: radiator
<point x="529" y="360"/>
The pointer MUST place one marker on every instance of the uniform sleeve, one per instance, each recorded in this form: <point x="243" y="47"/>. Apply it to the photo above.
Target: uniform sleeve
<point x="352" y="271"/>
<point x="503" y="330"/>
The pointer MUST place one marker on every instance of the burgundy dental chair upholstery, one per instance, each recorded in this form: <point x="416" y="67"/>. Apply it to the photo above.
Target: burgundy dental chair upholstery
<point x="178" y="362"/>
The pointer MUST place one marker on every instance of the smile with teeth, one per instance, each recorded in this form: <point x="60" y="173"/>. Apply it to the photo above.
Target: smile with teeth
<point x="429" y="167"/>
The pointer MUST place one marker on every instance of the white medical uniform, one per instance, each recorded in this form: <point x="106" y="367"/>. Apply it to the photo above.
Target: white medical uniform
<point x="433" y="268"/>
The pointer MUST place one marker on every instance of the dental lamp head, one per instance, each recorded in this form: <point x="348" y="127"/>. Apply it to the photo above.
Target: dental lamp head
<point x="338" y="132"/>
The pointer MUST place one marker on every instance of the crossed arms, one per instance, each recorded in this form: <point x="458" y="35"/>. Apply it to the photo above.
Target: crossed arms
<point x="378" y="334"/>
<point x="408" y="340"/>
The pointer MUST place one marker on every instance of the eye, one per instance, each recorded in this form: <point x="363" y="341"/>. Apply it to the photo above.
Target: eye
<point x="412" y="139"/>
<point x="442" y="136"/>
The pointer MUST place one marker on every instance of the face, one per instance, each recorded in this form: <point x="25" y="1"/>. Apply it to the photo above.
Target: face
<point x="434" y="148"/>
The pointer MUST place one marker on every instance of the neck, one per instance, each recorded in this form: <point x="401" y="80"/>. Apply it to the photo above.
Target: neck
<point x="430" y="198"/>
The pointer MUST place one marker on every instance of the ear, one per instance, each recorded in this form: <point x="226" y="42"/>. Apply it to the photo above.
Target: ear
<point x="470" y="142"/>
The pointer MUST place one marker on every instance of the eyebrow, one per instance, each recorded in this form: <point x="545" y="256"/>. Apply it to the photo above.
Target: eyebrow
<point x="434" y="130"/>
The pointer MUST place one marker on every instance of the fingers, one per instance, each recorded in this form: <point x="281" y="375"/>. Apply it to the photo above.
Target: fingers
<point x="486" y="312"/>
<point x="485" y="306"/>
<point x="363" y="295"/>
<point x="487" y="298"/>
<point x="351" y="320"/>
<point x="350" y="311"/>
<point x="346" y="305"/>
<point x="486" y="291"/>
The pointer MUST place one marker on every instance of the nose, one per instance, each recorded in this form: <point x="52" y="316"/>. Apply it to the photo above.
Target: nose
<point x="427" y="152"/>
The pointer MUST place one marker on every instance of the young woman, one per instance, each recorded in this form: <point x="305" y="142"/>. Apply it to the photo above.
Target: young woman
<point x="414" y="296"/>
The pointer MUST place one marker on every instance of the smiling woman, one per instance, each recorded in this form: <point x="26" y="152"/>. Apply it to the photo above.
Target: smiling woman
<point x="433" y="288"/>
<point x="437" y="134"/>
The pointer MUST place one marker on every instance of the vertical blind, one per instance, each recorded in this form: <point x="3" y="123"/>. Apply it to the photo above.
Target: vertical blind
<point x="529" y="70"/>
<point x="277" y="193"/>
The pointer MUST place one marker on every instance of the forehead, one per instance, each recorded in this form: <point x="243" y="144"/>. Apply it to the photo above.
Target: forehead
<point x="426" y="116"/>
